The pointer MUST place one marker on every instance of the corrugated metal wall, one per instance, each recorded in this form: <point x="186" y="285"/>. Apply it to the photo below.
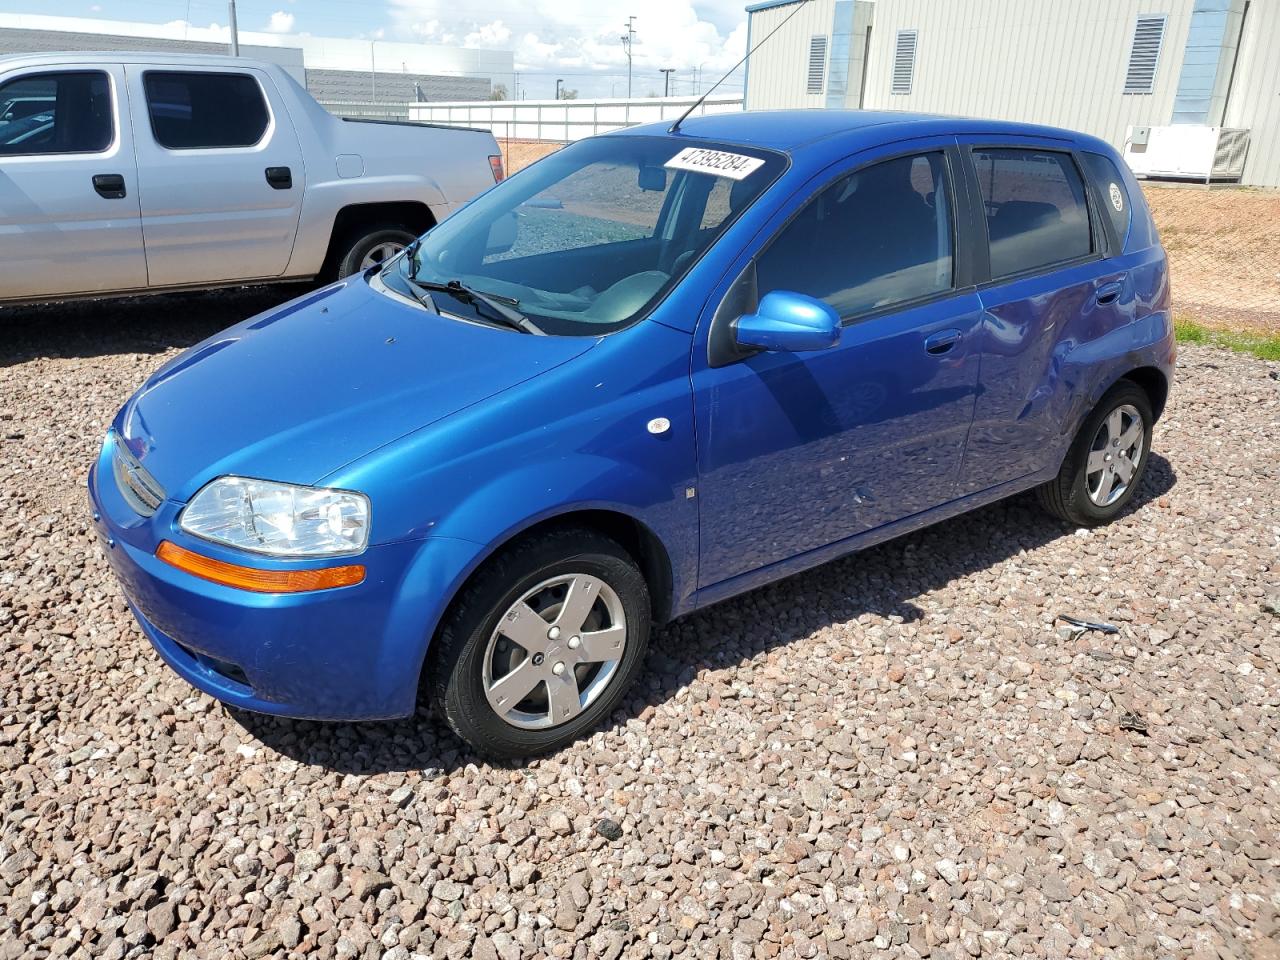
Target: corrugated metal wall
<point x="1060" y="62"/>
<point x="777" y="74"/>
<point x="1255" y="93"/>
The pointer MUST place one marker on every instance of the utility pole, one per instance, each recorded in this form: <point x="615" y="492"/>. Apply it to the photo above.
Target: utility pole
<point x="558" y="82"/>
<point x="666" y="80"/>
<point x="627" y="39"/>
<point x="235" y="34"/>
<point x="373" y="71"/>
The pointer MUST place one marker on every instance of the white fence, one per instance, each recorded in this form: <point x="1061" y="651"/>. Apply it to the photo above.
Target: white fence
<point x="564" y="119"/>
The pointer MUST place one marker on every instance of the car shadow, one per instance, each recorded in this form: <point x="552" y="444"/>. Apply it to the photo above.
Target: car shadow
<point x="816" y="598"/>
<point x="149" y="324"/>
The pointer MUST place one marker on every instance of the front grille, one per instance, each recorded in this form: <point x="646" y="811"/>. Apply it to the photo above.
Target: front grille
<point x="137" y="485"/>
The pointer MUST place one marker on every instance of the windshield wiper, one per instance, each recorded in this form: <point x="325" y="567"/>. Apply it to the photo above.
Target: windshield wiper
<point x="500" y="311"/>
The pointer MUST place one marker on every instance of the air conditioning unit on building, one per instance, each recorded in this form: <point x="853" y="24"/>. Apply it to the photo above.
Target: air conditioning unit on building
<point x="1187" y="151"/>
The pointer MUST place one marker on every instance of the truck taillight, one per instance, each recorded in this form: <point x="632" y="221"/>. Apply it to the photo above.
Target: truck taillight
<point x="495" y="164"/>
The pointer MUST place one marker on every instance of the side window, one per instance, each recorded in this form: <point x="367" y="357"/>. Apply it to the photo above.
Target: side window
<point x="878" y="237"/>
<point x="1036" y="210"/>
<point x="1115" y="197"/>
<point x="56" y="113"/>
<point x="190" y="111"/>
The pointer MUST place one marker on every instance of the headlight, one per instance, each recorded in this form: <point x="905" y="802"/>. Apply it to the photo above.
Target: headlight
<point x="280" y="519"/>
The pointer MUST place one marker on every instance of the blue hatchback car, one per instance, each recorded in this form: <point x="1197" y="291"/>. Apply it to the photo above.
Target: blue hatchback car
<point x="647" y="373"/>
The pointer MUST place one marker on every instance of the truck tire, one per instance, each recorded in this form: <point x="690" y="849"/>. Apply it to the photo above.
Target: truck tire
<point x="367" y="246"/>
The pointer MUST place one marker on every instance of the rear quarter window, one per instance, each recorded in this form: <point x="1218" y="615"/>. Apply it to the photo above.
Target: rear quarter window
<point x="1127" y="212"/>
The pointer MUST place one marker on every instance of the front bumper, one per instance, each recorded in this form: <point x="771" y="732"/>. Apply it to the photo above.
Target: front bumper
<point x="349" y="653"/>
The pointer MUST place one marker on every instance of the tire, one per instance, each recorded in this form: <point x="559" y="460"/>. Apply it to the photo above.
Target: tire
<point x="470" y="655"/>
<point x="360" y="245"/>
<point x="1079" y="493"/>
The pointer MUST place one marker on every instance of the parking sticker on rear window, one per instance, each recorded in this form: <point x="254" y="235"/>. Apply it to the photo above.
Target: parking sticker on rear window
<point x="735" y="166"/>
<point x="1117" y="198"/>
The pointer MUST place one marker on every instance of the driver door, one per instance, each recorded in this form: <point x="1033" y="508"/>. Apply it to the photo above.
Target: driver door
<point x="69" y="218"/>
<point x="801" y="451"/>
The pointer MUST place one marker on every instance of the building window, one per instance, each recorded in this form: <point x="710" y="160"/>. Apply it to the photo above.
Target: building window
<point x="904" y="62"/>
<point x="1144" y="55"/>
<point x="817" y="64"/>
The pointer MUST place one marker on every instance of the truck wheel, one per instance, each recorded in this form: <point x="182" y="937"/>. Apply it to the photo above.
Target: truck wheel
<point x="370" y="246"/>
<point x="542" y="644"/>
<point x="1106" y="462"/>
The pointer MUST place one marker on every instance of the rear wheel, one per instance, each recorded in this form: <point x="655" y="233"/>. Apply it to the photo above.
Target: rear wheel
<point x="370" y="246"/>
<point x="1107" y="459"/>
<point x="542" y="644"/>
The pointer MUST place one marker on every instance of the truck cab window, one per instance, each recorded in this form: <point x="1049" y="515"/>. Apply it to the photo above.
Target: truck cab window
<point x="52" y="113"/>
<point x="192" y="111"/>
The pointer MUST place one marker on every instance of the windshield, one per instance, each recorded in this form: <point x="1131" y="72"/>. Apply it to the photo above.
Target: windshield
<point x="586" y="240"/>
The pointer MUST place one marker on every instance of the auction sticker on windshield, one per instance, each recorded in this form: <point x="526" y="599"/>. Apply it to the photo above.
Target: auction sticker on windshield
<point x="735" y="166"/>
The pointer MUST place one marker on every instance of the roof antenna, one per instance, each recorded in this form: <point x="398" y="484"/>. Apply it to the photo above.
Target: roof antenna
<point x="675" y="127"/>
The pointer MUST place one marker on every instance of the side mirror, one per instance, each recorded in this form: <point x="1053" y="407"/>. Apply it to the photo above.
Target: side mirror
<point x="502" y="234"/>
<point x="789" y="321"/>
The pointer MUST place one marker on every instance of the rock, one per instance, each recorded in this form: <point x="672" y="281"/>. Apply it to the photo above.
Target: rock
<point x="559" y="824"/>
<point x="162" y="919"/>
<point x="609" y="830"/>
<point x="365" y="883"/>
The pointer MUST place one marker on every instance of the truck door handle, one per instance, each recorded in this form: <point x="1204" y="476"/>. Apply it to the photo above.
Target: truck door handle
<point x="109" y="185"/>
<point x="941" y="342"/>
<point x="280" y="178"/>
<point x="1109" y="293"/>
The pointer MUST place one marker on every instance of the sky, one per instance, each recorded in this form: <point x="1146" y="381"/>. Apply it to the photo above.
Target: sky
<point x="577" y="40"/>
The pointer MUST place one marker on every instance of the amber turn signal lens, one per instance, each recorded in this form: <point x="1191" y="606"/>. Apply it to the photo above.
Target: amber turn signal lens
<point x="259" y="581"/>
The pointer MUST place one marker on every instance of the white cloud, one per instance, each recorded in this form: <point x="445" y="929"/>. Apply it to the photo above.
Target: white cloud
<point x="580" y="40"/>
<point x="281" y="22"/>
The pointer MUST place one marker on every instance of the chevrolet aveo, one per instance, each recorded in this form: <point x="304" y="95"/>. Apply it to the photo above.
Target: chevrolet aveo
<point x="647" y="373"/>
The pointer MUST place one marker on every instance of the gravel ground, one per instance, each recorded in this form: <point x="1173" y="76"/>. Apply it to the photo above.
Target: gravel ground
<point x="896" y="755"/>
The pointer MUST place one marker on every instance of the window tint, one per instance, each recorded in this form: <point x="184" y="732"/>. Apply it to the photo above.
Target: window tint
<point x="193" y="110"/>
<point x="56" y="113"/>
<point x="1111" y="189"/>
<point x="1036" y="209"/>
<point x="875" y="238"/>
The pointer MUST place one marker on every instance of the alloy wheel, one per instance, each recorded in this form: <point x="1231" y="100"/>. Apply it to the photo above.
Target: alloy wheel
<point x="554" y="651"/>
<point x="1114" y="455"/>
<point x="380" y="254"/>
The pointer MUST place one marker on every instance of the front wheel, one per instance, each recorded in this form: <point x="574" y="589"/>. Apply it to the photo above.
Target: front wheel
<point x="1106" y="462"/>
<point x="542" y="644"/>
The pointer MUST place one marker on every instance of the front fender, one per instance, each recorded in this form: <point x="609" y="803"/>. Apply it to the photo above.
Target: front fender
<point x="507" y="506"/>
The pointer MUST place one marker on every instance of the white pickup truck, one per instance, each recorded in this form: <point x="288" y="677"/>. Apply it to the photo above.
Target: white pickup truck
<point x="135" y="173"/>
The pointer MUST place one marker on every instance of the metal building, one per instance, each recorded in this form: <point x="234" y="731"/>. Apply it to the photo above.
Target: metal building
<point x="1188" y="88"/>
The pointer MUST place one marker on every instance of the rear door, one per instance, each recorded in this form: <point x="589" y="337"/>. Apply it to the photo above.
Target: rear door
<point x="69" y="221"/>
<point x="1051" y="286"/>
<point x="220" y="170"/>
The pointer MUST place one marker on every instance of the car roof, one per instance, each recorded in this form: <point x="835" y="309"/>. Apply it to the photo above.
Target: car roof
<point x="126" y="56"/>
<point x="791" y="130"/>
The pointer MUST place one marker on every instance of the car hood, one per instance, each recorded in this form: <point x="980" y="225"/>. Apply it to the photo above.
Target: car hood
<point x="301" y="390"/>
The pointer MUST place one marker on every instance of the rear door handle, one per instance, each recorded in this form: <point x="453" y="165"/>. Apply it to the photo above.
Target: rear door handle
<point x="941" y="342"/>
<point x="1109" y="293"/>
<point x="281" y="178"/>
<point x="109" y="185"/>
